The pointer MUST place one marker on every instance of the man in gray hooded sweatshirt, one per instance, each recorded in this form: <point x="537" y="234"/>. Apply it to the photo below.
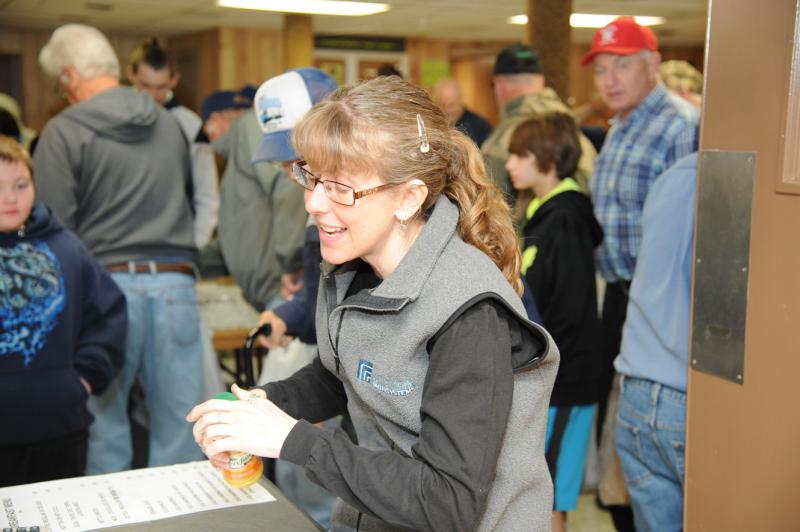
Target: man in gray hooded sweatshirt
<point x="115" y="168"/>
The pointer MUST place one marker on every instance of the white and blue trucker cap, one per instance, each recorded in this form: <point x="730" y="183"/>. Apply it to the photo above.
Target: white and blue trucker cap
<point x="280" y="103"/>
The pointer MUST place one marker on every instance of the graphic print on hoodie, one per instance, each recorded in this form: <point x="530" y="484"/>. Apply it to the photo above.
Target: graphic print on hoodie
<point x="32" y="295"/>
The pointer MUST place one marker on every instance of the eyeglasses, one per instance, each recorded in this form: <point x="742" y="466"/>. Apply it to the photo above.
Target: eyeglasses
<point x="336" y="192"/>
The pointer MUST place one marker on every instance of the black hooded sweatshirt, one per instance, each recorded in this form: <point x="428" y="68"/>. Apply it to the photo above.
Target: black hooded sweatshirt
<point x="62" y="317"/>
<point x="565" y="233"/>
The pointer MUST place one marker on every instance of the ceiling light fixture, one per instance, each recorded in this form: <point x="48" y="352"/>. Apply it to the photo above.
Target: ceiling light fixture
<point x="591" y="20"/>
<point x="311" y="7"/>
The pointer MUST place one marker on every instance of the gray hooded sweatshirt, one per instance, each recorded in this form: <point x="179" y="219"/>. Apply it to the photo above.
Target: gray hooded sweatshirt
<point x="116" y="170"/>
<point x="261" y="218"/>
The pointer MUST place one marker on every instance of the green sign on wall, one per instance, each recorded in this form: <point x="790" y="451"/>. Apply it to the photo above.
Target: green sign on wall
<point x="434" y="70"/>
<point x="360" y="42"/>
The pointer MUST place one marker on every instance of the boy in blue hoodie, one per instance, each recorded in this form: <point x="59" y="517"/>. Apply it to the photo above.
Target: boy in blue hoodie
<point x="62" y="333"/>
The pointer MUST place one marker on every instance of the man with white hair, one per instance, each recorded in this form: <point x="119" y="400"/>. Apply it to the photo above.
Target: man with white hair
<point x="114" y="166"/>
<point x="651" y="130"/>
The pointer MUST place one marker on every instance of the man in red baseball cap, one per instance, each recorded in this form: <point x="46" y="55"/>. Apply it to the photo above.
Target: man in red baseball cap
<point x="625" y="59"/>
<point x="652" y="129"/>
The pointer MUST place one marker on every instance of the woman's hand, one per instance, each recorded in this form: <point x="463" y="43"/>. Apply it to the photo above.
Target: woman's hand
<point x="251" y="425"/>
<point x="277" y="337"/>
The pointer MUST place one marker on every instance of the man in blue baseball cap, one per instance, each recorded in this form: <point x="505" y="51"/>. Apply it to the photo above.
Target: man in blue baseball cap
<point x="262" y="217"/>
<point x="249" y="219"/>
<point x="280" y="103"/>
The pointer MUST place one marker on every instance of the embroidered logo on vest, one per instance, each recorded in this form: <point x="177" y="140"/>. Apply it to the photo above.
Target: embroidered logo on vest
<point x="395" y="387"/>
<point x="365" y="370"/>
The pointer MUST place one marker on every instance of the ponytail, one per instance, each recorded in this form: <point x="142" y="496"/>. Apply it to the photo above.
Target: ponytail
<point x="484" y="217"/>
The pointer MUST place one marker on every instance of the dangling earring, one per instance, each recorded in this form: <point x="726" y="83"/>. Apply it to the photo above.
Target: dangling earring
<point x="424" y="147"/>
<point x="403" y="224"/>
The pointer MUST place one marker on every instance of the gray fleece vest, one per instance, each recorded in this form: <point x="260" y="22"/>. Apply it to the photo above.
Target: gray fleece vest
<point x="376" y="344"/>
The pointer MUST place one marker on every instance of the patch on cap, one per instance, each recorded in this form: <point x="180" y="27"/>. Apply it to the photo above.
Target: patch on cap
<point x="622" y="36"/>
<point x="280" y="103"/>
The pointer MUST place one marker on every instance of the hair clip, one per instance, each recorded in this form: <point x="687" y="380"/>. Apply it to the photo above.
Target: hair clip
<point x="424" y="147"/>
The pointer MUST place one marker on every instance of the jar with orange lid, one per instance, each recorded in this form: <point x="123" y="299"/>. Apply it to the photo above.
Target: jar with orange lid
<point x="244" y="469"/>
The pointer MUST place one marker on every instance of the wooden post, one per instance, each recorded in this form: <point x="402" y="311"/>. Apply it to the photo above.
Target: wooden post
<point x="550" y="34"/>
<point x="298" y="41"/>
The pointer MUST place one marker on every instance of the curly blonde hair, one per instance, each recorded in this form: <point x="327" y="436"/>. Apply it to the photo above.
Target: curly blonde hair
<point x="372" y="127"/>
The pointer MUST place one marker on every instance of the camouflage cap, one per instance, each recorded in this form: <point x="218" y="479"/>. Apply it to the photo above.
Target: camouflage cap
<point x="679" y="75"/>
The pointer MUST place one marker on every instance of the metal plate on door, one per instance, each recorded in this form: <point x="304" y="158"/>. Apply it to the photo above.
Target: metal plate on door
<point x="722" y="261"/>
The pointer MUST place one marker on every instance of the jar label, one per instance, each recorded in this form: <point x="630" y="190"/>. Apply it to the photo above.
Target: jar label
<point x="238" y="461"/>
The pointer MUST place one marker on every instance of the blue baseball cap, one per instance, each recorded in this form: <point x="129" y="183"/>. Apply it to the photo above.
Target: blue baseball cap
<point x="222" y="100"/>
<point x="248" y="92"/>
<point x="280" y="103"/>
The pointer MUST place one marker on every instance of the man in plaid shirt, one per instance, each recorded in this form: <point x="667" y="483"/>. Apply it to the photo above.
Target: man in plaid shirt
<point x="651" y="129"/>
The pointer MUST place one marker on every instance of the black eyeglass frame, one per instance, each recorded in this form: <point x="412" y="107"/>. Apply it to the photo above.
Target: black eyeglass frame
<point x="311" y="183"/>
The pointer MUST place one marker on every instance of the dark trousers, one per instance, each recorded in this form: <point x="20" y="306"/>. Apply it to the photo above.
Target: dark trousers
<point x="615" y="307"/>
<point x="62" y="457"/>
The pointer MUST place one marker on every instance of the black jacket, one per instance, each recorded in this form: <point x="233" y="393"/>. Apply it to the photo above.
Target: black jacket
<point x="62" y="317"/>
<point x="562" y="279"/>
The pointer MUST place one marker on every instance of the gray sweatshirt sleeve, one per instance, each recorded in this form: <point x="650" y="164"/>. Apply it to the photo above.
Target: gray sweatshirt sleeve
<point x="56" y="174"/>
<point x="290" y="227"/>
<point x="466" y="402"/>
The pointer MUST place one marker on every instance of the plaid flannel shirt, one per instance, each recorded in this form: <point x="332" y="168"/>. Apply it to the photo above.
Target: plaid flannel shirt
<point x="661" y="130"/>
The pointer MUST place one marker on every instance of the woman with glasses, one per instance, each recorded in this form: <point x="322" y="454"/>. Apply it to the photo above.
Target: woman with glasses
<point x="421" y="333"/>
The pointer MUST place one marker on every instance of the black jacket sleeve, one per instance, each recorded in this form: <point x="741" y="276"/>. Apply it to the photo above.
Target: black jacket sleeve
<point x="313" y="393"/>
<point x="466" y="401"/>
<point x="100" y="350"/>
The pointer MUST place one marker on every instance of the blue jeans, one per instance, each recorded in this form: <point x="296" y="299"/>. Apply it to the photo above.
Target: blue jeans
<point x="164" y="350"/>
<point x="651" y="423"/>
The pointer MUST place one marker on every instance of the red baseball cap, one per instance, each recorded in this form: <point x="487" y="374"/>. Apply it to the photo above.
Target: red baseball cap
<point x="622" y="36"/>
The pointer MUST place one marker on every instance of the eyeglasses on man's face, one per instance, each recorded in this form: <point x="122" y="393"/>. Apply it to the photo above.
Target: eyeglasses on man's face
<point x="336" y="192"/>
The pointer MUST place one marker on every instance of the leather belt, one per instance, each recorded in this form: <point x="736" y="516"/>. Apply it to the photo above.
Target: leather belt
<point x="186" y="268"/>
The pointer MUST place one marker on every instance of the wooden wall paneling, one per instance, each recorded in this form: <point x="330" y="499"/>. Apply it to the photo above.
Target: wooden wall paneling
<point x="270" y="50"/>
<point x="421" y="50"/>
<point x="39" y="95"/>
<point x="203" y="48"/>
<point x="581" y="79"/>
<point x="249" y="55"/>
<point x="474" y="77"/>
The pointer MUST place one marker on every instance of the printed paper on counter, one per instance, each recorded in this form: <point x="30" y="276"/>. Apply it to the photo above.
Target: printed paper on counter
<point x="139" y="495"/>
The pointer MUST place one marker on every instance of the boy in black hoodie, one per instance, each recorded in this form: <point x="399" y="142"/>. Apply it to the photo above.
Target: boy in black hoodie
<point x="62" y="333"/>
<point x="559" y="234"/>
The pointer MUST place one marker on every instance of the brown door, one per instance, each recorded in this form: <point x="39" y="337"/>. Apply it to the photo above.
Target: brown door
<point x="743" y="424"/>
